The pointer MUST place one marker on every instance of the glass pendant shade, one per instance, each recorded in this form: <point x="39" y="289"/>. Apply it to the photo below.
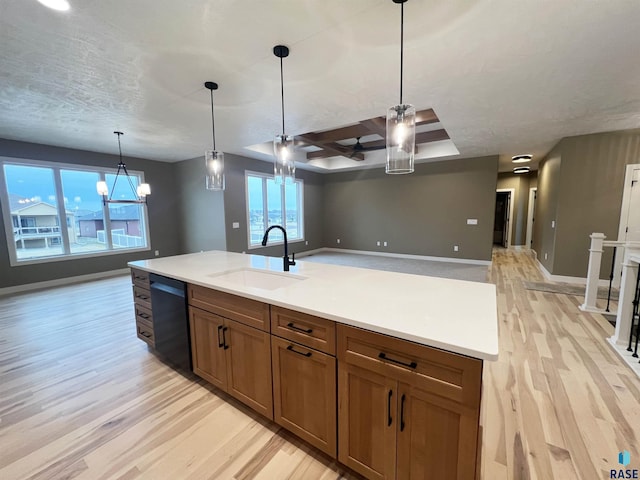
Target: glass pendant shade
<point x="214" y="163"/>
<point x="143" y="190"/>
<point x="102" y="188"/>
<point x="284" y="168"/>
<point x="401" y="139"/>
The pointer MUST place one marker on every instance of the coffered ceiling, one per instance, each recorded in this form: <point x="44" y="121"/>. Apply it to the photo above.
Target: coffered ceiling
<point x="503" y="77"/>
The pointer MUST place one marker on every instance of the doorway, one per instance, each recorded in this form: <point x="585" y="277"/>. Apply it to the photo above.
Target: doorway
<point x="531" y="216"/>
<point x="630" y="213"/>
<point x="502" y="220"/>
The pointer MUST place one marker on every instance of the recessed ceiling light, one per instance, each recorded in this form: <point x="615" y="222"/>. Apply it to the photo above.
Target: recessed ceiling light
<point x="521" y="158"/>
<point x="521" y="170"/>
<point x="61" y="5"/>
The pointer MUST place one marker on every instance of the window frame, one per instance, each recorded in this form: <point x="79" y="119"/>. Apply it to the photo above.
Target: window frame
<point x="67" y="255"/>
<point x="300" y="204"/>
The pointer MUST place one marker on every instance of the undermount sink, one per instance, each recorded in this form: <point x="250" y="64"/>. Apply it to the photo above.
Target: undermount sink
<point x="265" y="280"/>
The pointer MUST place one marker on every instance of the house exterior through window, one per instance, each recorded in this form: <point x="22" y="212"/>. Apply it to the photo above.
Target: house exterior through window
<point x="36" y="195"/>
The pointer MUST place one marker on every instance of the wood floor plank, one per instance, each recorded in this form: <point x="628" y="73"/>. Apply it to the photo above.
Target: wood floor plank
<point x="81" y="397"/>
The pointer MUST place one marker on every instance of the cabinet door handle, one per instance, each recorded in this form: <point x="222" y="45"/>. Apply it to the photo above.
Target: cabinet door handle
<point x="224" y="338"/>
<point x="304" y="330"/>
<point x="145" y="334"/>
<point x="383" y="356"/>
<point x="291" y="349"/>
<point x="220" y="342"/>
<point x="144" y="315"/>
<point x="389" y="419"/>
<point x="402" y="412"/>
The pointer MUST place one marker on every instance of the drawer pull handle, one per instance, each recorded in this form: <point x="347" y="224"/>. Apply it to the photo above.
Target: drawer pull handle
<point x="137" y="277"/>
<point x="142" y="297"/>
<point x="402" y="412"/>
<point x="304" y="330"/>
<point x="220" y="342"/>
<point x="145" y="334"/>
<point x="290" y="348"/>
<point x="383" y="356"/>
<point x="389" y="419"/>
<point x="224" y="339"/>
<point x="144" y="315"/>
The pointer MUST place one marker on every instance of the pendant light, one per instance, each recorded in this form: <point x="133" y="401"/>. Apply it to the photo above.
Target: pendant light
<point x="214" y="160"/>
<point x="284" y="168"/>
<point x="401" y="123"/>
<point x="139" y="194"/>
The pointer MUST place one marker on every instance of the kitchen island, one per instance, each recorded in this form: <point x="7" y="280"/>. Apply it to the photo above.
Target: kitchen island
<point x="380" y="370"/>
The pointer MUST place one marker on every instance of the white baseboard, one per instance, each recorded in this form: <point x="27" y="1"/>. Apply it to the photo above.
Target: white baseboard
<point x="309" y="252"/>
<point x="566" y="279"/>
<point x="632" y="362"/>
<point x="601" y="311"/>
<point x="406" y="255"/>
<point x="62" y="281"/>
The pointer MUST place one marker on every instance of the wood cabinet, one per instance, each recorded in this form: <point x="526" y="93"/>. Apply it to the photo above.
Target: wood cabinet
<point x="304" y="376"/>
<point x="232" y="356"/>
<point x="142" y="306"/>
<point x="406" y="411"/>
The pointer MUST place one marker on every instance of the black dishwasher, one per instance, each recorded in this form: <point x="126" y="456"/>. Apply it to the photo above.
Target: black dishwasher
<point x="170" y="320"/>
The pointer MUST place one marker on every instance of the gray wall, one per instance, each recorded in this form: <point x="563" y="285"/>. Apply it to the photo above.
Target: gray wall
<point x="588" y="197"/>
<point x="521" y="184"/>
<point x="162" y="208"/>
<point x="235" y="207"/>
<point x="544" y="236"/>
<point x="201" y="211"/>
<point x="421" y="214"/>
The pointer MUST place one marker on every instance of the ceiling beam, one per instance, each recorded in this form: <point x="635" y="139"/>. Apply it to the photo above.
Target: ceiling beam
<point x="329" y="149"/>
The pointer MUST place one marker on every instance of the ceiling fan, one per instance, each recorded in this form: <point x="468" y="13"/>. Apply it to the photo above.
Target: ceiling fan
<point x="359" y="147"/>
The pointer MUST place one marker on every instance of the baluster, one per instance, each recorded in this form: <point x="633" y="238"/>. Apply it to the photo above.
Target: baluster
<point x="613" y="266"/>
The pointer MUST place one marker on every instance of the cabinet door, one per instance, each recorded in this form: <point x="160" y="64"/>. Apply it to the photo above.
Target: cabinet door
<point x="437" y="438"/>
<point x="367" y="414"/>
<point x="304" y="391"/>
<point x="207" y="350"/>
<point x="249" y="366"/>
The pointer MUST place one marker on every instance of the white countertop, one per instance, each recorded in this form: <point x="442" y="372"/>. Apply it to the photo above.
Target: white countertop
<point x="453" y="315"/>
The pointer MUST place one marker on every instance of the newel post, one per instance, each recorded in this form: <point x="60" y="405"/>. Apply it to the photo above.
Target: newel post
<point x="593" y="273"/>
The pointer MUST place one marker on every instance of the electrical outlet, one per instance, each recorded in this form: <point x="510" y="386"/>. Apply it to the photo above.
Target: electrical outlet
<point x="385" y="244"/>
<point x="455" y="248"/>
<point x="378" y="243"/>
<point x="337" y="240"/>
<point x="236" y="225"/>
<point x="553" y="224"/>
<point x="307" y="242"/>
<point x="545" y="256"/>
<point x="157" y="252"/>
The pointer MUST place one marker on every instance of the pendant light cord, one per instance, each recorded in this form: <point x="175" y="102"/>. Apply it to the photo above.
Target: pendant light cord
<point x="213" y="122"/>
<point x="282" y="95"/>
<point x="401" y="46"/>
<point x="122" y="166"/>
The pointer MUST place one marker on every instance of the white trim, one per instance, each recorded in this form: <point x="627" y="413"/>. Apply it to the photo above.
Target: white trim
<point x="62" y="281"/>
<point x="306" y="253"/>
<point x="512" y="194"/>
<point x="625" y="356"/>
<point x="566" y="279"/>
<point x="529" y="236"/>
<point x="406" y="255"/>
<point x="626" y="200"/>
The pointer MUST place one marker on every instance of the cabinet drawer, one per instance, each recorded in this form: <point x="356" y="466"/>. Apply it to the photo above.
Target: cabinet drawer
<point x="145" y="332"/>
<point x="442" y="373"/>
<point x="244" y="310"/>
<point x="143" y="313"/>
<point x="142" y="296"/>
<point x="140" y="278"/>
<point x="308" y="330"/>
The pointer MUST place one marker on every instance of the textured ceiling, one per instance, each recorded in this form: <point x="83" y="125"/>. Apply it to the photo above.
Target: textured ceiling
<point x="504" y="77"/>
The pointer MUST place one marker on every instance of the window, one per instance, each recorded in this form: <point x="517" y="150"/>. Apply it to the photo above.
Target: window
<point x="35" y="196"/>
<point x="271" y="204"/>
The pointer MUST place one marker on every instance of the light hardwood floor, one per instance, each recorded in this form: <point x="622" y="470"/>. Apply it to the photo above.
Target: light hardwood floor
<point x="82" y="397"/>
